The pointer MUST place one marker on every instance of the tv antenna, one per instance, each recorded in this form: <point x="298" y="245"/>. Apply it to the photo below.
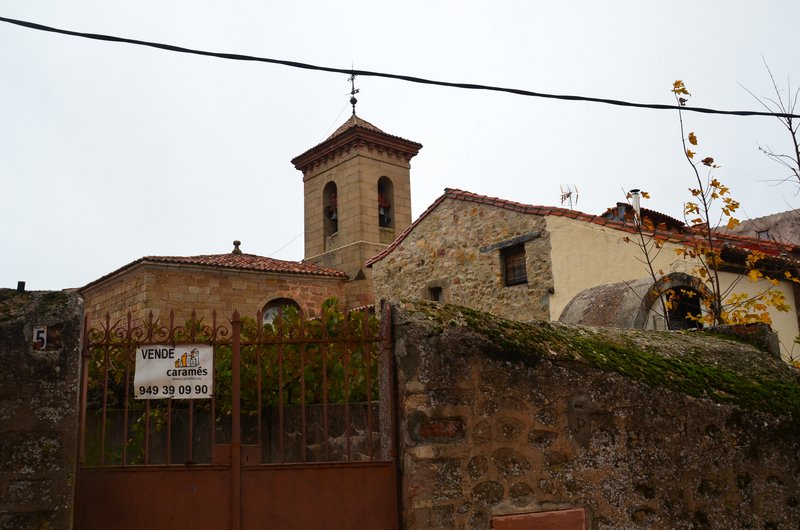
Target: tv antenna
<point x="568" y="191"/>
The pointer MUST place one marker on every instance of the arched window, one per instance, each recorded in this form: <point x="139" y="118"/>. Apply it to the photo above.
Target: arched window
<point x="680" y="294"/>
<point x="330" y="210"/>
<point x="385" y="203"/>
<point x="275" y="305"/>
<point x="683" y="304"/>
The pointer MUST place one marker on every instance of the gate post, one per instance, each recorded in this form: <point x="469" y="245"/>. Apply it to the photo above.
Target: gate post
<point x="236" y="431"/>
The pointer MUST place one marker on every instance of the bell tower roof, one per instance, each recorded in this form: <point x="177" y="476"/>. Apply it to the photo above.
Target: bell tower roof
<point x="354" y="121"/>
<point x="354" y="133"/>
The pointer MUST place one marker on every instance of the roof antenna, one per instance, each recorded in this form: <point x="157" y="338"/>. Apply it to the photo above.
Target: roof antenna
<point x="567" y="192"/>
<point x="353" y="90"/>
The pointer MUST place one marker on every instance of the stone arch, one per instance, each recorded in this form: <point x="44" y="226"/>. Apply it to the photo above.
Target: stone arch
<point x="626" y="304"/>
<point x="677" y="281"/>
<point x="275" y="305"/>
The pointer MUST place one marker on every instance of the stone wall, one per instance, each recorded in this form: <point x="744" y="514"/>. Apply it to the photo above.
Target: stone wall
<point x="457" y="249"/>
<point x="161" y="288"/>
<point x="632" y="429"/>
<point x="38" y="408"/>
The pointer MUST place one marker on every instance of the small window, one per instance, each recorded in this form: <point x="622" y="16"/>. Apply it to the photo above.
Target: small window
<point x="513" y="261"/>
<point x="435" y="294"/>
<point x="763" y="234"/>
<point x="278" y="304"/>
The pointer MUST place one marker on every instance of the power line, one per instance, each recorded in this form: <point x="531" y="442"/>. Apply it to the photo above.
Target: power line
<point x="411" y="79"/>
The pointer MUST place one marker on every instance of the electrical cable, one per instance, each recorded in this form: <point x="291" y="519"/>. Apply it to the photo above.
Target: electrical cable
<point x="408" y="78"/>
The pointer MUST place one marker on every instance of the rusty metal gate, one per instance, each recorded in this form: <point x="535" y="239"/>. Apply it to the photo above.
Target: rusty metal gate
<point x="298" y="432"/>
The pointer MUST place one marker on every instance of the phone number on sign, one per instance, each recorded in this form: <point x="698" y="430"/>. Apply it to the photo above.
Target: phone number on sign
<point x="170" y="390"/>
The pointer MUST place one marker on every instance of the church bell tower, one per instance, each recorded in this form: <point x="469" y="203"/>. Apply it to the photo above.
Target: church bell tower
<point x="357" y="200"/>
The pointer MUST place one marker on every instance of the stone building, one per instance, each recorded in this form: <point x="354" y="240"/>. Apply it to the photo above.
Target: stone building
<point x="357" y="189"/>
<point x="527" y="262"/>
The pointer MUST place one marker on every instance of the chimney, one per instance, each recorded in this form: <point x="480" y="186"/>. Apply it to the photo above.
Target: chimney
<point x="637" y="207"/>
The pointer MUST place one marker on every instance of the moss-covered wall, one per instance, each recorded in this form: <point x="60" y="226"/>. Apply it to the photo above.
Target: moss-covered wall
<point x="38" y="408"/>
<point x="639" y="429"/>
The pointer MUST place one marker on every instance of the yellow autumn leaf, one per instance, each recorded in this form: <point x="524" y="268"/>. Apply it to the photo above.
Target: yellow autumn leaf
<point x="692" y="138"/>
<point x="690" y="153"/>
<point x="679" y="88"/>
<point x="645" y="195"/>
<point x="754" y="275"/>
<point x="732" y="222"/>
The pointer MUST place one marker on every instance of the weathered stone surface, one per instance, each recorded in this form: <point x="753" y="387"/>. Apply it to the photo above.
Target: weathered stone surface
<point x="38" y="408"/>
<point x="478" y="466"/>
<point x="510" y="463"/>
<point x="442" y="516"/>
<point x="436" y="430"/>
<point x="509" y="428"/>
<point x="541" y="438"/>
<point x="487" y="494"/>
<point x="521" y="494"/>
<point x="639" y="429"/>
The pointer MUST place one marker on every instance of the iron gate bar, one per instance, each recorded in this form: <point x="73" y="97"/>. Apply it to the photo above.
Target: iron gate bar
<point x="190" y="441"/>
<point x="281" y="418"/>
<point x="85" y="354"/>
<point x="368" y="364"/>
<point x="236" y="428"/>
<point x="106" y="360"/>
<point x="128" y="386"/>
<point x="259" y="382"/>
<point x="346" y="363"/>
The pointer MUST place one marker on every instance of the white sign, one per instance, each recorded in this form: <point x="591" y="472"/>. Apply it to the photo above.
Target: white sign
<point x="182" y="372"/>
<point x="40" y="337"/>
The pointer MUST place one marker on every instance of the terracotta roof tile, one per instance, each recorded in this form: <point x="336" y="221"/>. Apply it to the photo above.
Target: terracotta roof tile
<point x="675" y="237"/>
<point x="248" y="262"/>
<point x="244" y="262"/>
<point x="354" y="121"/>
<point x="356" y="124"/>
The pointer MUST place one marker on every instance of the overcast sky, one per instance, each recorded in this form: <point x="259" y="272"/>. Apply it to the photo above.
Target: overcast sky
<point x="110" y="152"/>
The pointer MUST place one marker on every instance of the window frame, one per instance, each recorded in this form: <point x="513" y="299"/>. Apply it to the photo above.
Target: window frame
<point x="513" y="261"/>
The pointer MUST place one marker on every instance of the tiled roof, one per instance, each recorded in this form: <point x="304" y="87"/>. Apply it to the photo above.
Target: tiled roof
<point x="687" y="237"/>
<point x="354" y="121"/>
<point x="244" y="262"/>
<point x="354" y="125"/>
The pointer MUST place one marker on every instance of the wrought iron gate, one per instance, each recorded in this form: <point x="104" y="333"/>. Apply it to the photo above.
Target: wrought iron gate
<point x="298" y="433"/>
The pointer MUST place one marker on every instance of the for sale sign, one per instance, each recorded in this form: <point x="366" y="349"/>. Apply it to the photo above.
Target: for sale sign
<point x="182" y="372"/>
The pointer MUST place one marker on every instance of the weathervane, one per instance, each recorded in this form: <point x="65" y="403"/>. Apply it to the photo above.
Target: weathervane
<point x="353" y="92"/>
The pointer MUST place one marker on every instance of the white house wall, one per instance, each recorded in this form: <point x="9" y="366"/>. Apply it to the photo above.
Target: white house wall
<point x="586" y="255"/>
